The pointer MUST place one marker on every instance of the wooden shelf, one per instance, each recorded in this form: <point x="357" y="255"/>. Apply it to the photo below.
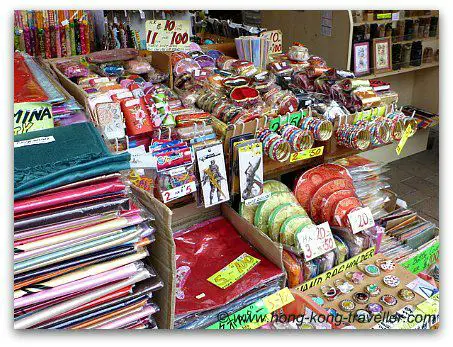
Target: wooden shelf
<point x="400" y="71"/>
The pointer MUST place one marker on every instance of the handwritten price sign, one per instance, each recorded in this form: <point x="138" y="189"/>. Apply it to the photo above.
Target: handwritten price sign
<point x="407" y="133"/>
<point x="178" y="192"/>
<point x="307" y="154"/>
<point x="167" y="35"/>
<point x="316" y="240"/>
<point x="275" y="37"/>
<point x="361" y="219"/>
<point x="234" y="271"/>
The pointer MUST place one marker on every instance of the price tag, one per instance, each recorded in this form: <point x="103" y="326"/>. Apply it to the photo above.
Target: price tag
<point x="276" y="39"/>
<point x="178" y="192"/>
<point x="257" y="314"/>
<point x="361" y="219"/>
<point x="306" y="154"/>
<point x="257" y="199"/>
<point x="167" y="35"/>
<point x="65" y="22"/>
<point x="294" y="119"/>
<point x="316" y="240"/>
<point x="140" y="159"/>
<point x="395" y="16"/>
<point x="234" y="271"/>
<point x="407" y="133"/>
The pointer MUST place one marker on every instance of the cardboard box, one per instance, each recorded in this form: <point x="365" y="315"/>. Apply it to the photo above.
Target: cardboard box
<point x="162" y="251"/>
<point x="156" y="60"/>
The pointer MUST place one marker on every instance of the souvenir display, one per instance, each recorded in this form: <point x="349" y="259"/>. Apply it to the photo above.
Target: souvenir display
<point x="191" y="186"/>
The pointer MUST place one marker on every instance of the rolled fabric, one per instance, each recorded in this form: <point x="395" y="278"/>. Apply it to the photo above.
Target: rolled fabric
<point x="82" y="273"/>
<point x="79" y="285"/>
<point x="52" y="311"/>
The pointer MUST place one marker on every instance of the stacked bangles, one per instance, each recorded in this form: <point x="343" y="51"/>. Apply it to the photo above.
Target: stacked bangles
<point x="274" y="145"/>
<point x="380" y="133"/>
<point x="396" y="128"/>
<point x="321" y="128"/>
<point x="405" y="120"/>
<point x="353" y="136"/>
<point x="298" y="139"/>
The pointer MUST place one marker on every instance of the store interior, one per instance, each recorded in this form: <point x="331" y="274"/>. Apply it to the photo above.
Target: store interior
<point x="201" y="169"/>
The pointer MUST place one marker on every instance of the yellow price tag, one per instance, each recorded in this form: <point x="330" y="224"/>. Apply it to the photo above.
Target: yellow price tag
<point x="234" y="271"/>
<point x="278" y="300"/>
<point x="306" y="154"/>
<point x="406" y="135"/>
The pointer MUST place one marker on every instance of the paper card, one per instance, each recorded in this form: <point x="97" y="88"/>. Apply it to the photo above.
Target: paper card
<point x="306" y="154"/>
<point x="32" y="116"/>
<point x="167" y="35"/>
<point x="178" y="192"/>
<point x="257" y="199"/>
<point x="141" y="159"/>
<point x="316" y="240"/>
<point x="251" y="170"/>
<point x="423" y="288"/>
<point x="234" y="271"/>
<point x="407" y="133"/>
<point x="110" y="120"/>
<point x="35" y="141"/>
<point x="211" y="166"/>
<point x="361" y="219"/>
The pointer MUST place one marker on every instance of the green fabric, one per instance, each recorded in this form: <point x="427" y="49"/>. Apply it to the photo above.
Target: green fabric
<point x="77" y="153"/>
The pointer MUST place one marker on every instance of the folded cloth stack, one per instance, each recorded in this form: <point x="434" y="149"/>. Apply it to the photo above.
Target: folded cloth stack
<point x="33" y="84"/>
<point x="80" y="245"/>
<point x="201" y="251"/>
<point x="50" y="158"/>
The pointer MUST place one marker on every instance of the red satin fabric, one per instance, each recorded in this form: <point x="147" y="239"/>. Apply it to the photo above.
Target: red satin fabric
<point x="203" y="250"/>
<point x="26" y="88"/>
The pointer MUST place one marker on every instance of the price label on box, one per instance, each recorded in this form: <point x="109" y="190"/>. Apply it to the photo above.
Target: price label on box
<point x="306" y="154"/>
<point x="316" y="240"/>
<point x="234" y="271"/>
<point x="178" y="192"/>
<point x="361" y="219"/>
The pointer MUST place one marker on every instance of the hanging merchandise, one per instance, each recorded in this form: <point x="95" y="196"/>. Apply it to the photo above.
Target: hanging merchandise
<point x="53" y="34"/>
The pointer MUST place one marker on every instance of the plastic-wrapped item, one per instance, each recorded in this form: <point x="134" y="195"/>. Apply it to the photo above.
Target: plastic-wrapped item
<point x="119" y="54"/>
<point x="136" y="116"/>
<point x="72" y="69"/>
<point x="111" y="69"/>
<point x="293" y="269"/>
<point x="312" y="179"/>
<point x="138" y="66"/>
<point x="204" y="249"/>
<point x="26" y="87"/>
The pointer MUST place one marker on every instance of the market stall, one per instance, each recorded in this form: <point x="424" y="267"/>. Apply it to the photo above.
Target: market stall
<point x="182" y="186"/>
